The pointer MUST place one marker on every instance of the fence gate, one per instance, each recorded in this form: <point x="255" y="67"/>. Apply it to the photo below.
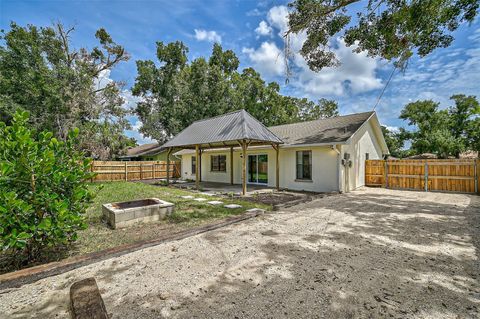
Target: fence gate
<point x="450" y="175"/>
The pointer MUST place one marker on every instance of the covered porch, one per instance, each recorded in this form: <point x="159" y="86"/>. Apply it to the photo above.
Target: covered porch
<point x="235" y="130"/>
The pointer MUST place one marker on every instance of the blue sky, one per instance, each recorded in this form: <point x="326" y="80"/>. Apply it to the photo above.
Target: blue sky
<point x="252" y="29"/>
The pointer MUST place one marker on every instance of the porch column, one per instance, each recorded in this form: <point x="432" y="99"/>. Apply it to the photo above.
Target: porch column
<point x="231" y="165"/>
<point x="200" y="163"/>
<point x="197" y="168"/>
<point x="244" y="167"/>
<point x="169" y="151"/>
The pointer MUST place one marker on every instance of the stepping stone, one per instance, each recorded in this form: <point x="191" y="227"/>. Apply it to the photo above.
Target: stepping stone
<point x="215" y="202"/>
<point x="187" y="197"/>
<point x="208" y="194"/>
<point x="200" y="199"/>
<point x="232" y="206"/>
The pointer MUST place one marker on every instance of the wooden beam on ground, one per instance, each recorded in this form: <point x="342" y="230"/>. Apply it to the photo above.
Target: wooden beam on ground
<point x="86" y="301"/>
<point x="244" y="167"/>
<point x="197" y="160"/>
<point x="231" y="165"/>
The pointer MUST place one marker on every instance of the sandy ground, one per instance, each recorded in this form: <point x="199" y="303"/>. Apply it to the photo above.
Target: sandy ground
<point x="373" y="253"/>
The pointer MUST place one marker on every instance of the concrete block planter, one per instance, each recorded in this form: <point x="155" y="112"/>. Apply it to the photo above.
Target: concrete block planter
<point x="123" y="214"/>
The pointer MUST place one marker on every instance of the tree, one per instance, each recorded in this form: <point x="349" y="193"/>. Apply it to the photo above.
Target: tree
<point x="179" y="92"/>
<point x="62" y="88"/>
<point x="395" y="142"/>
<point x="445" y="132"/>
<point x="323" y="109"/>
<point x="389" y="29"/>
<point x="43" y="189"/>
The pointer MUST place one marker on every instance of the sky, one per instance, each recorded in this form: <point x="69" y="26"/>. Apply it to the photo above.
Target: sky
<point x="253" y="30"/>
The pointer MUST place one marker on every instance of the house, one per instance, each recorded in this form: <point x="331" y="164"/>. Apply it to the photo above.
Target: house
<point x="321" y="156"/>
<point x="147" y="152"/>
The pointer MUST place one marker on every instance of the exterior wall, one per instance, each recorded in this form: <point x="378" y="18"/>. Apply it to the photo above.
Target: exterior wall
<point x="324" y="168"/>
<point x="364" y="141"/>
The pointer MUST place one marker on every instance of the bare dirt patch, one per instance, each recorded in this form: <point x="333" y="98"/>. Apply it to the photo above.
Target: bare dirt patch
<point x="274" y="198"/>
<point x="372" y="253"/>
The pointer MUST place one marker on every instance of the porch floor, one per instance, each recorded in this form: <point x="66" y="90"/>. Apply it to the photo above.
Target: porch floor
<point x="215" y="187"/>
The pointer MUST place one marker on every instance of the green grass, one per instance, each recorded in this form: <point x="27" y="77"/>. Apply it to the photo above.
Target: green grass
<point x="187" y="213"/>
<point x="98" y="236"/>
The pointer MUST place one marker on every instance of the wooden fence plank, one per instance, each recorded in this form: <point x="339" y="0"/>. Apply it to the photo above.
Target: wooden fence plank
<point x="452" y="175"/>
<point x="135" y="170"/>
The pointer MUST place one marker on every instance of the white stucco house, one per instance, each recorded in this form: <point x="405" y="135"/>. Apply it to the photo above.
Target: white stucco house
<point x="320" y="156"/>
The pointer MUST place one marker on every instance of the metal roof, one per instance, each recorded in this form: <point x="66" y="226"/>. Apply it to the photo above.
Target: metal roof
<point x="224" y="130"/>
<point x="325" y="131"/>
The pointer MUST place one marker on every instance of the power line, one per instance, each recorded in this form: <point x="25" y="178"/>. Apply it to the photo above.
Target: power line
<point x="385" y="87"/>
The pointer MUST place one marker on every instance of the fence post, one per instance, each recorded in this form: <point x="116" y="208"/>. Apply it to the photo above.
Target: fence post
<point x="126" y="172"/>
<point x="141" y="170"/>
<point x="426" y="176"/>
<point x="386" y="173"/>
<point x="92" y="170"/>
<point x="475" y="174"/>
<point x="153" y="168"/>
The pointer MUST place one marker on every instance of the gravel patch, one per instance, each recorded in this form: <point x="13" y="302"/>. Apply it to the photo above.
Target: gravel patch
<point x="370" y="253"/>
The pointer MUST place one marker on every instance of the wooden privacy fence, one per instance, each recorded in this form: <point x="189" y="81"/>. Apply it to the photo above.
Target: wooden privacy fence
<point x="133" y="170"/>
<point x="449" y="175"/>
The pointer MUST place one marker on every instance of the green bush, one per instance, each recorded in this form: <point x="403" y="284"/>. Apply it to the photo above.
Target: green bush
<point x="43" y="190"/>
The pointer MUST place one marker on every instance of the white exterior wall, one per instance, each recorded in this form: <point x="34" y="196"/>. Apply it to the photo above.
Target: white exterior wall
<point x="364" y="141"/>
<point x="324" y="168"/>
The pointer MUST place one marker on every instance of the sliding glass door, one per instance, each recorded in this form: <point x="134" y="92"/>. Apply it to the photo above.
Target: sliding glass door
<point x="258" y="169"/>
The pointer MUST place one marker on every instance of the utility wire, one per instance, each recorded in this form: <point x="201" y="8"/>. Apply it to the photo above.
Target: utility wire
<point x="385" y="87"/>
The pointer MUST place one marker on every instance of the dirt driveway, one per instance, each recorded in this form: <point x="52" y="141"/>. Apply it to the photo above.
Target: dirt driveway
<point x="371" y="253"/>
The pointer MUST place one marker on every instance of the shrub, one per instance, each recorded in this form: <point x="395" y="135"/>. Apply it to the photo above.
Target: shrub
<point x="43" y="190"/>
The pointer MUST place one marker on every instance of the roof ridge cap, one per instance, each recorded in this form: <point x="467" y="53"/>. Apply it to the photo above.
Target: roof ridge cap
<point x="219" y="115"/>
<point x="324" y="119"/>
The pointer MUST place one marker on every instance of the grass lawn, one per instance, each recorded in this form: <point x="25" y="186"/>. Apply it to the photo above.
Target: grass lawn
<point x="188" y="213"/>
<point x="99" y="236"/>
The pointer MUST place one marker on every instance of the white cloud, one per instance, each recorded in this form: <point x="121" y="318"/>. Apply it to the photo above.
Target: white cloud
<point x="278" y="18"/>
<point x="210" y="36"/>
<point x="356" y="74"/>
<point x="102" y="80"/>
<point x="254" y="13"/>
<point x="394" y="129"/>
<point x="263" y="28"/>
<point x="268" y="59"/>
<point x="130" y="101"/>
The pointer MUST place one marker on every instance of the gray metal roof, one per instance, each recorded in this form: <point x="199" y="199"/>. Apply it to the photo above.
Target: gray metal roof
<point x="224" y="130"/>
<point x="325" y="131"/>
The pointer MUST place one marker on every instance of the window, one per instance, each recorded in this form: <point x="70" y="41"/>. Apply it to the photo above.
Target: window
<point x="218" y="163"/>
<point x="194" y="164"/>
<point x="304" y="165"/>
<point x="367" y="156"/>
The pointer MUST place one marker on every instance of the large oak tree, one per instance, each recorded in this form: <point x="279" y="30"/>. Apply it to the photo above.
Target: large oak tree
<point x="62" y="87"/>
<point x="389" y="29"/>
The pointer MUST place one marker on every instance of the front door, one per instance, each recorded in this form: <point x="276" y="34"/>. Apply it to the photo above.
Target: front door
<point x="258" y="169"/>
